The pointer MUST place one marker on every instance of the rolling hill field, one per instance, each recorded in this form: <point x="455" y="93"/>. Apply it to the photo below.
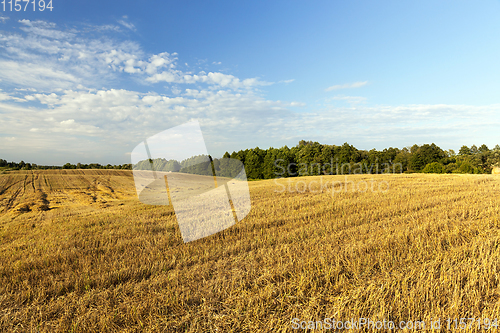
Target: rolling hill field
<point x="80" y="253"/>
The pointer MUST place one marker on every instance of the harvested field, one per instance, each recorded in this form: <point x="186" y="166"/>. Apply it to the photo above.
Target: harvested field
<point x="80" y="253"/>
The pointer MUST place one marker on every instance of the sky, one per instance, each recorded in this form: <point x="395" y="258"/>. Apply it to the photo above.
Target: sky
<point x="88" y="81"/>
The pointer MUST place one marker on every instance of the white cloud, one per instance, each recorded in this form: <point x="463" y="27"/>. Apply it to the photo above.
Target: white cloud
<point x="105" y="27"/>
<point x="44" y="29"/>
<point x="347" y="85"/>
<point x="126" y="24"/>
<point x="4" y="96"/>
<point x="3" y="19"/>
<point x="12" y="96"/>
<point x="349" y="99"/>
<point x="212" y="78"/>
<point x="46" y="56"/>
<point x="35" y="75"/>
<point x="120" y="118"/>
<point x="71" y="127"/>
<point x="63" y="60"/>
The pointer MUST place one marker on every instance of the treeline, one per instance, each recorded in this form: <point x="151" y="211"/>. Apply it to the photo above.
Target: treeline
<point x="32" y="166"/>
<point x="313" y="158"/>
<point x="199" y="165"/>
<point x="162" y="164"/>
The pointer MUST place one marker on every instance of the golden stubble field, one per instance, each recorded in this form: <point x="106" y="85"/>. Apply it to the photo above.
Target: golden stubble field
<point x="80" y="253"/>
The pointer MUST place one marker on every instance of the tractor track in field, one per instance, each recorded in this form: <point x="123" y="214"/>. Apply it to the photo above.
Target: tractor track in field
<point x="24" y="195"/>
<point x="12" y="199"/>
<point x="24" y="184"/>
<point x="33" y="191"/>
<point x="64" y="184"/>
<point x="10" y="193"/>
<point x="93" y="189"/>
<point x="33" y="178"/>
<point x="90" y="190"/>
<point x="90" y="186"/>
<point x="3" y="190"/>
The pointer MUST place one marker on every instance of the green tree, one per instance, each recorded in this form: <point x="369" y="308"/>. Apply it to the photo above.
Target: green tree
<point x="345" y="153"/>
<point x="464" y="150"/>
<point x="304" y="159"/>
<point x="285" y="162"/>
<point x="424" y="155"/>
<point x="328" y="158"/>
<point x="253" y="164"/>
<point x="269" y="168"/>
<point x="483" y="148"/>
<point x="402" y="160"/>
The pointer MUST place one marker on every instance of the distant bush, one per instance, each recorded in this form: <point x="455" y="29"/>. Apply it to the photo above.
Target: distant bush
<point x="467" y="167"/>
<point x="434" y="167"/>
<point x="451" y="167"/>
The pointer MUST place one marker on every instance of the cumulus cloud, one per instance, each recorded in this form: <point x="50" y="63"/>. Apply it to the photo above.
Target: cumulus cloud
<point x="347" y="86"/>
<point x="3" y="19"/>
<point x="212" y="78"/>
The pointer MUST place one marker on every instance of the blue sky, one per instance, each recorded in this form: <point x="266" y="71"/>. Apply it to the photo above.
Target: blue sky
<point x="88" y="81"/>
